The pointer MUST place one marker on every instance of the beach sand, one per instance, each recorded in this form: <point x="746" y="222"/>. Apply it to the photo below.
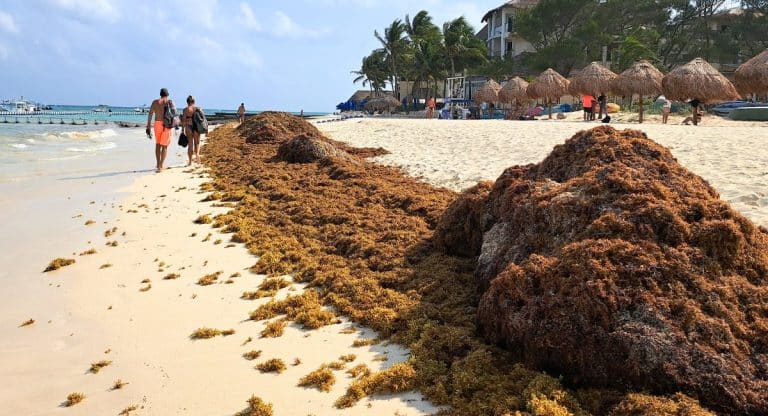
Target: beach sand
<point x="85" y="313"/>
<point x="457" y="154"/>
<point x="99" y="309"/>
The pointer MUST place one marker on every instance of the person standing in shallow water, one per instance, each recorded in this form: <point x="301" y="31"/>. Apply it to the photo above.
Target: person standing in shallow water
<point x="162" y="133"/>
<point x="193" y="148"/>
<point x="241" y="112"/>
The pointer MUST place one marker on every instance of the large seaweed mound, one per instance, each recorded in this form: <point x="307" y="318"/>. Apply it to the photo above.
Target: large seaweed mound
<point x="612" y="264"/>
<point x="307" y="149"/>
<point x="275" y="127"/>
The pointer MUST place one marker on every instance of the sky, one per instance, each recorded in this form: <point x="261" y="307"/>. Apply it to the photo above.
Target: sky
<point x="269" y="54"/>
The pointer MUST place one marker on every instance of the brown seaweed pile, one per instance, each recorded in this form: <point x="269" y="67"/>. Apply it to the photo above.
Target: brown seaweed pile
<point x="360" y="234"/>
<point x="613" y="265"/>
<point x="307" y="149"/>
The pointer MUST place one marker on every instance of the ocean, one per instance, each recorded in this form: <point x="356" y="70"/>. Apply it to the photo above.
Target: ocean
<point x="82" y="143"/>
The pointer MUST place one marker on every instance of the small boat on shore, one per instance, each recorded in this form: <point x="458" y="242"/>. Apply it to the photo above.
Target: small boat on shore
<point x="749" y="114"/>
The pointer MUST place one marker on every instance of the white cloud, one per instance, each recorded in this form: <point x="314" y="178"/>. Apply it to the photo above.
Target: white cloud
<point x="89" y="10"/>
<point x="285" y="27"/>
<point x="7" y="23"/>
<point x="249" y="58"/>
<point x="248" y="18"/>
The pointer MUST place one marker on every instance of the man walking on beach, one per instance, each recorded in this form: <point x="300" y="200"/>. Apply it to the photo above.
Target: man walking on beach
<point x="241" y="112"/>
<point x="162" y="129"/>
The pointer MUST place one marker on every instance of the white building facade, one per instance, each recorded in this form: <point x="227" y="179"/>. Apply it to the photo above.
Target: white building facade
<point x="501" y="35"/>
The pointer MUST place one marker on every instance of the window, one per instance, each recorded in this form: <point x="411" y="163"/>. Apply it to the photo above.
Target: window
<point x="510" y="23"/>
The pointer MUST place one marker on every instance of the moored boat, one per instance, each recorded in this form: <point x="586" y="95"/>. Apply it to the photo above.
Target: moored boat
<point x="749" y="114"/>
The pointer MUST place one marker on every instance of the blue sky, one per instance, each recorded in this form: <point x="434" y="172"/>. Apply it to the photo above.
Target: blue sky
<point x="271" y="54"/>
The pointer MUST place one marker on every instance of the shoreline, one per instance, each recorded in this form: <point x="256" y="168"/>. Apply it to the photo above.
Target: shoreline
<point x="101" y="313"/>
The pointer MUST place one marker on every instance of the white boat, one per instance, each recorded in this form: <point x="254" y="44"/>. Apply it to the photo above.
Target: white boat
<point x="102" y="108"/>
<point x="20" y="106"/>
<point x="142" y="109"/>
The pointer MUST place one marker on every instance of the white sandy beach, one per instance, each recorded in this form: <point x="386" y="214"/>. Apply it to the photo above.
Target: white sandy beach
<point x="456" y="154"/>
<point x="85" y="313"/>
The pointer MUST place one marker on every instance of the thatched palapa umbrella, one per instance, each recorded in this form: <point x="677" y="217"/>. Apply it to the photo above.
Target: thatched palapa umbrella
<point x="488" y="93"/>
<point x="642" y="79"/>
<point x="387" y="103"/>
<point x="514" y="92"/>
<point x="594" y="79"/>
<point x="752" y="76"/>
<point x="550" y="86"/>
<point x="698" y="80"/>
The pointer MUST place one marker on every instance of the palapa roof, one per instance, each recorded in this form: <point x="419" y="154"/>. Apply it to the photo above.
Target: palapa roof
<point x="488" y="93"/>
<point x="362" y="95"/>
<point x="698" y="79"/>
<point x="752" y="76"/>
<point x="549" y="85"/>
<point x="520" y="4"/>
<point x="514" y="89"/>
<point x="382" y="103"/>
<point x="593" y="79"/>
<point x="641" y="78"/>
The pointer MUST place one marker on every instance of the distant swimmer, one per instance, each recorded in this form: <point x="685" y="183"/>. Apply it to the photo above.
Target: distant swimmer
<point x="165" y="120"/>
<point x="241" y="112"/>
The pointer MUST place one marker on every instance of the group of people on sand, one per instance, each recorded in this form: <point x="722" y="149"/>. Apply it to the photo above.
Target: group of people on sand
<point x="594" y="105"/>
<point x="164" y="112"/>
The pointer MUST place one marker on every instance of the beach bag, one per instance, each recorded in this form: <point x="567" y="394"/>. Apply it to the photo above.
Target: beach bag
<point x="199" y="122"/>
<point x="183" y="140"/>
<point x="170" y="119"/>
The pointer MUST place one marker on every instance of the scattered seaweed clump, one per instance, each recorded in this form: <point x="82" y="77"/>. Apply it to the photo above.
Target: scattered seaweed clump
<point x="307" y="149"/>
<point x="28" y="322"/>
<point x="119" y="384"/>
<point x="395" y="379"/>
<point x="73" y="399"/>
<point x="321" y="379"/>
<point x="171" y="276"/>
<point x="273" y="365"/>
<point x="613" y="265"/>
<point x="268" y="288"/>
<point x="360" y="370"/>
<point x="274" y="329"/>
<point x="205" y="333"/>
<point x="257" y="407"/>
<point x="209" y="279"/>
<point x="252" y="355"/>
<point x="88" y="252"/>
<point x="348" y="358"/>
<point x="305" y="309"/>
<point x="58" y="263"/>
<point x="203" y="219"/>
<point x="128" y="409"/>
<point x="97" y="366"/>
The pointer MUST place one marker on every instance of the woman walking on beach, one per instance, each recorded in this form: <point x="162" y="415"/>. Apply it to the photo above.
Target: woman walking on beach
<point x="193" y="149"/>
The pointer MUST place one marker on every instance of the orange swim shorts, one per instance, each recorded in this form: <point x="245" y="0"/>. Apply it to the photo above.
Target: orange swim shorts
<point x="162" y="134"/>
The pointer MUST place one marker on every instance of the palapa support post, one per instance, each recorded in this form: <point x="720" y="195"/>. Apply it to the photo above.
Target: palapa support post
<point x="641" y="109"/>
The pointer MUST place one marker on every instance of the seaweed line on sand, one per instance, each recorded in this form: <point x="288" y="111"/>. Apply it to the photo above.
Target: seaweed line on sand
<point x="360" y="235"/>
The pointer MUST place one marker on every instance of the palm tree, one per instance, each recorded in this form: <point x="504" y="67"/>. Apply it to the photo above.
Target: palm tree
<point x="394" y="45"/>
<point x="421" y="28"/>
<point x="373" y="71"/>
<point x="462" y="48"/>
<point x="428" y="63"/>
